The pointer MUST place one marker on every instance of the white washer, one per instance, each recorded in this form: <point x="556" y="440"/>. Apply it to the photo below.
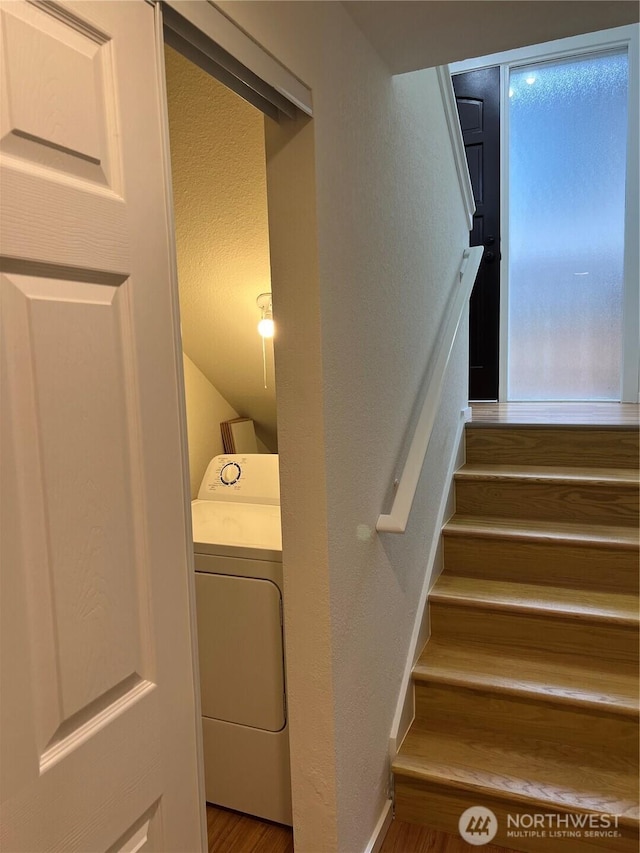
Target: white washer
<point x="238" y="559"/>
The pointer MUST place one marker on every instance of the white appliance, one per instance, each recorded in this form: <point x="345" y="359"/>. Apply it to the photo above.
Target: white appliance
<point x="238" y="560"/>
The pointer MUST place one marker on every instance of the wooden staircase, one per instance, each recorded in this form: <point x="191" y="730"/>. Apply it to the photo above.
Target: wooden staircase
<point x="527" y="691"/>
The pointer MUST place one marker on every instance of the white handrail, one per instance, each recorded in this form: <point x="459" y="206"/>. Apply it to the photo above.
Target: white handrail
<point x="396" y="521"/>
<point x="457" y="142"/>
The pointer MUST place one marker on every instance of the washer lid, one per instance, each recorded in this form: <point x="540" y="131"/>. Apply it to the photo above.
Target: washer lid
<point x="241" y="525"/>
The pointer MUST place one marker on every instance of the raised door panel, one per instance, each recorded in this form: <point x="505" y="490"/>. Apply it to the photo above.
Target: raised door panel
<point x="59" y="131"/>
<point x="94" y="573"/>
<point x="471" y="114"/>
<point x="474" y="160"/>
<point x="70" y="382"/>
<point x="59" y="99"/>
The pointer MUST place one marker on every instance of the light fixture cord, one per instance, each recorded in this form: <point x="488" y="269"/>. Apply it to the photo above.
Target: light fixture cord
<point x="264" y="363"/>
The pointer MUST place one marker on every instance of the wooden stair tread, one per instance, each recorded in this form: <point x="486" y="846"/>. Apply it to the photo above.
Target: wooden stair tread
<point x="538" y="599"/>
<point x="562" y="474"/>
<point x="543" y="531"/>
<point x="526" y="695"/>
<point x="532" y="773"/>
<point x="585" y="415"/>
<point x="553" y="445"/>
<point x="565" y="680"/>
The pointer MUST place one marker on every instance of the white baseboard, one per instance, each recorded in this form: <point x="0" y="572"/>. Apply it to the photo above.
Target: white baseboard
<point x="382" y="827"/>
<point x="405" y="709"/>
<point x="467" y="413"/>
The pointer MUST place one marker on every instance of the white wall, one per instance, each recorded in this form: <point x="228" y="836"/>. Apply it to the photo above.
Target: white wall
<point x="383" y="243"/>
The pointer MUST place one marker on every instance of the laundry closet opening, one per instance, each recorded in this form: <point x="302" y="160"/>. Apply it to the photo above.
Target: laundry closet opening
<point x="218" y="166"/>
<point x="222" y="241"/>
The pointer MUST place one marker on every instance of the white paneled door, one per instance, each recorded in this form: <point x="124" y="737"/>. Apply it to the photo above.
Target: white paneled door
<point x="98" y="710"/>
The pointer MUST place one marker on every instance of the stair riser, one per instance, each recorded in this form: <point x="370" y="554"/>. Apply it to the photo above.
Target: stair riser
<point x="614" y="504"/>
<point x="613" y="448"/>
<point x="522" y="631"/>
<point x="446" y="707"/>
<point x="556" y="563"/>
<point x="441" y="808"/>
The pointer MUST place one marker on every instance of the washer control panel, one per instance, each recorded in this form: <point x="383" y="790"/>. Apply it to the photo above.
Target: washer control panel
<point x="246" y="477"/>
<point x="230" y="474"/>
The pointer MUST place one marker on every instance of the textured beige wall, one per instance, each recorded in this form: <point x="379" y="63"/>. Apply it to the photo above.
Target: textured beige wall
<point x="206" y="407"/>
<point x="220" y="205"/>
<point x="367" y="230"/>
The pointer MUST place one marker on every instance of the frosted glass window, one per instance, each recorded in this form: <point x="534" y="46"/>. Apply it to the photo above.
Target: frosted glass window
<point x="567" y="163"/>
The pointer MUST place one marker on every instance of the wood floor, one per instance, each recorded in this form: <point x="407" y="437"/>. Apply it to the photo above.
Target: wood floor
<point x="411" y="838"/>
<point x="232" y="832"/>
<point x="590" y="414"/>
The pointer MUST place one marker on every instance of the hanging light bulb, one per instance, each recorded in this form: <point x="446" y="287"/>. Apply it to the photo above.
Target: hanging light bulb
<point x="266" y="327"/>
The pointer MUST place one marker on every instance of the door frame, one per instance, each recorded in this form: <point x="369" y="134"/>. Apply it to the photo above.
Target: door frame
<point x="590" y="43"/>
<point x="226" y="52"/>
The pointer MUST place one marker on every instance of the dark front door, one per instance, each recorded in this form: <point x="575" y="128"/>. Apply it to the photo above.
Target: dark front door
<point x="478" y="98"/>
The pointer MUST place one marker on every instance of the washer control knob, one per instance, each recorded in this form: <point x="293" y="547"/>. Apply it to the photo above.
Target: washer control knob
<point x="230" y="473"/>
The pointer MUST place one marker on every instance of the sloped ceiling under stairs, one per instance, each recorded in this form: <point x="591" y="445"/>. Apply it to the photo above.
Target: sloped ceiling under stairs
<point x="220" y="206"/>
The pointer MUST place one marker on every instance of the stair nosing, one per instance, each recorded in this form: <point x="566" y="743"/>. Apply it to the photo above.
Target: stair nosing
<point x="579" y="534"/>
<point x="552" y="474"/>
<point x="544" y="425"/>
<point x="622" y="621"/>
<point x="492" y="792"/>
<point x="423" y="674"/>
<point x="468" y="768"/>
